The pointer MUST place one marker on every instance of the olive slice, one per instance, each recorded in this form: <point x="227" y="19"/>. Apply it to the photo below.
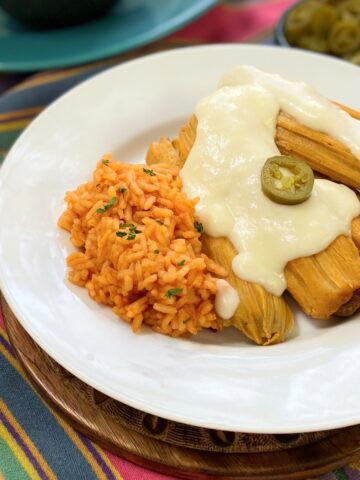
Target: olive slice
<point x="287" y="180"/>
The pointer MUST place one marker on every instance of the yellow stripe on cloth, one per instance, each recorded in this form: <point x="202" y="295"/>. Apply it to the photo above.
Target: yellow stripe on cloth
<point x="66" y="427"/>
<point x="355" y="465"/>
<point x="16" y="125"/>
<point x="54" y="76"/>
<point x="25" y="438"/>
<point x="20" y="113"/>
<point x="108" y="462"/>
<point x="84" y="450"/>
<point x="18" y="453"/>
<point x="50" y="77"/>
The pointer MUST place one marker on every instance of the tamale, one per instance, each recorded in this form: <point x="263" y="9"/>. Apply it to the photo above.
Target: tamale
<point x="355" y="231"/>
<point x="261" y="316"/>
<point x="322" y="283"/>
<point x="323" y="153"/>
<point x="325" y="283"/>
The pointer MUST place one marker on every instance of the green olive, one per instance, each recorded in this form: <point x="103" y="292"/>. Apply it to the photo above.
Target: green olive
<point x="344" y="37"/>
<point x="287" y="180"/>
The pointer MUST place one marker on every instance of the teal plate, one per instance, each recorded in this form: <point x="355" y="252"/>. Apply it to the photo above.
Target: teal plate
<point x="129" y="24"/>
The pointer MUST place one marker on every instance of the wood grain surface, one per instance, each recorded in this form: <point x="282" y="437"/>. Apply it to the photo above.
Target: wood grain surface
<point x="177" y="449"/>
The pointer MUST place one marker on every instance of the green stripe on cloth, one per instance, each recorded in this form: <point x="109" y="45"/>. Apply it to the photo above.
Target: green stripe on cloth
<point x="63" y="457"/>
<point x="340" y="474"/>
<point x="10" y="468"/>
<point x="6" y="140"/>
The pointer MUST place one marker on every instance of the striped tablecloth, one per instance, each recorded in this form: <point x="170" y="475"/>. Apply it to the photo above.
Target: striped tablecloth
<point x="34" y="441"/>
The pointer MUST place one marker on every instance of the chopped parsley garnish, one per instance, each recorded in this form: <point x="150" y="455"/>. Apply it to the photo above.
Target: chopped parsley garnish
<point x="131" y="234"/>
<point x="157" y="251"/>
<point x="182" y="263"/>
<point x="107" y="206"/>
<point x="172" y="292"/>
<point x="105" y="162"/>
<point x="126" y="225"/>
<point x="157" y="220"/>
<point x="199" y="227"/>
<point x="150" y="172"/>
<point x="122" y="190"/>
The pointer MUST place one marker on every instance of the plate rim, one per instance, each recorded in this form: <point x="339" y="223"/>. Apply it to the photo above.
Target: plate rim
<point x="186" y="16"/>
<point x="134" y="403"/>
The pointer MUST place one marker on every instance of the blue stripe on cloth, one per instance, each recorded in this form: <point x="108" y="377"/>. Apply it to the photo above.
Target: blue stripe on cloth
<point x="19" y="440"/>
<point x="7" y="345"/>
<point x="43" y="94"/>
<point x="63" y="457"/>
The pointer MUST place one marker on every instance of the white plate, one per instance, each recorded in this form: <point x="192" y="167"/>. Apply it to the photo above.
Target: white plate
<point x="310" y="382"/>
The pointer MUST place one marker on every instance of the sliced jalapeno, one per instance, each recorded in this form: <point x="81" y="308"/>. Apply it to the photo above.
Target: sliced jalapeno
<point x="316" y="44"/>
<point x="350" y="9"/>
<point x="344" y="37"/>
<point x="287" y="180"/>
<point x="323" y="18"/>
<point x="354" y="58"/>
<point x="298" y="22"/>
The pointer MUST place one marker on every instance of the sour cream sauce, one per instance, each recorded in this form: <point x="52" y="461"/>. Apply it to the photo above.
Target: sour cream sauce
<point x="235" y="136"/>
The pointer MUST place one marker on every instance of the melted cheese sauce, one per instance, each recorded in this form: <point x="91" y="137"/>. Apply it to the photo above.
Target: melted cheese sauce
<point x="235" y="136"/>
<point x="227" y="299"/>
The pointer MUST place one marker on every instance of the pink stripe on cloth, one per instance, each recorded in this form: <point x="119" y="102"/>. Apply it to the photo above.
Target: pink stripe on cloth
<point x="1" y="320"/>
<point x="235" y="23"/>
<point x="130" y="471"/>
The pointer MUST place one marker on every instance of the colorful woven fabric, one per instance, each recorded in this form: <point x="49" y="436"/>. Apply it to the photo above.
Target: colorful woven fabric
<point x="35" y="442"/>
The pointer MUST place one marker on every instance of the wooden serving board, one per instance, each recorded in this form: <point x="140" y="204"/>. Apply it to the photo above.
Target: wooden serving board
<point x="173" y="448"/>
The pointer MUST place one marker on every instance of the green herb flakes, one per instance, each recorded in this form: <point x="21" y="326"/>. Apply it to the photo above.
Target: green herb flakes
<point x="182" y="263"/>
<point x="157" y="251"/>
<point x="199" y="227"/>
<point x="122" y="190"/>
<point x="149" y="172"/>
<point x="105" y="162"/>
<point x="172" y="292"/>
<point x="107" y="206"/>
<point x="126" y="225"/>
<point x="131" y="234"/>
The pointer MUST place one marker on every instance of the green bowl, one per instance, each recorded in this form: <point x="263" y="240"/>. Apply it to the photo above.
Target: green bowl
<point x="55" y="13"/>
